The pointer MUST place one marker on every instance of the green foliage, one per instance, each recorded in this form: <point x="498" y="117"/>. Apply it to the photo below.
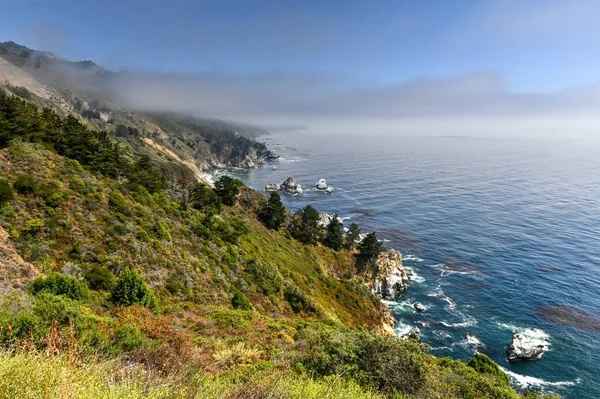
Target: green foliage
<point x="272" y="212"/>
<point x="305" y="226"/>
<point x="204" y="198"/>
<point x="334" y="238"/>
<point x="143" y="236"/>
<point x="6" y="192"/>
<point x="131" y="289"/>
<point x="116" y="203"/>
<point x="265" y="275"/>
<point x="240" y="301"/>
<point x="299" y="301"/>
<point x="369" y="247"/>
<point x="77" y="185"/>
<point x="58" y="308"/>
<point x="59" y="284"/>
<point x="161" y="231"/>
<point x="32" y="228"/>
<point x="351" y="236"/>
<point x="25" y="184"/>
<point x="72" y="139"/>
<point x="228" y="188"/>
<point x="389" y="364"/>
<point x="99" y="278"/>
<point x="127" y="338"/>
<point x="484" y="365"/>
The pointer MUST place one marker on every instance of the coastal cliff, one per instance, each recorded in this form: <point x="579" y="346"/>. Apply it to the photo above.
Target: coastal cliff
<point x="387" y="278"/>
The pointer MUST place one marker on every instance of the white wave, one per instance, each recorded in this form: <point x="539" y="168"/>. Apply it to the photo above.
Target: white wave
<point x="417" y="278"/>
<point x="385" y="240"/>
<point x="526" y="381"/>
<point x="470" y="342"/>
<point x="443" y="334"/>
<point x="413" y="258"/>
<point x="389" y="303"/>
<point x="439" y="348"/>
<point x="402" y="328"/>
<point x="536" y="335"/>
<point x="463" y="324"/>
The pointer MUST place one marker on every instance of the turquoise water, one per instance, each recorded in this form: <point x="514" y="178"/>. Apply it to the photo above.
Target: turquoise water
<point x="497" y="230"/>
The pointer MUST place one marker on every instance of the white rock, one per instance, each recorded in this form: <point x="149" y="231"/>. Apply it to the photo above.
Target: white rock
<point x="528" y="345"/>
<point x="321" y="184"/>
<point x="273" y="187"/>
<point x="389" y="278"/>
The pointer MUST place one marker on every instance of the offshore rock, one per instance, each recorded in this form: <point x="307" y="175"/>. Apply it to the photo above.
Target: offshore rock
<point x="389" y="279"/>
<point x="419" y="307"/>
<point x="321" y="184"/>
<point x="412" y="333"/>
<point x="291" y="187"/>
<point x="273" y="187"/>
<point x="526" y="347"/>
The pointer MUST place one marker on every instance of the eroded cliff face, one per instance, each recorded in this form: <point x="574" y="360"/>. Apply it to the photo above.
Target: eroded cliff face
<point x="386" y="277"/>
<point x="15" y="273"/>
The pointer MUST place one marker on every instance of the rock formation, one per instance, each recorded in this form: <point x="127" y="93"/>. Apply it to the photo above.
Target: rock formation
<point x="388" y="277"/>
<point x="526" y="347"/>
<point x="289" y="186"/>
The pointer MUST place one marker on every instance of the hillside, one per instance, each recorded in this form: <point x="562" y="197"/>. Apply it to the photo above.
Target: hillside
<point x="124" y="278"/>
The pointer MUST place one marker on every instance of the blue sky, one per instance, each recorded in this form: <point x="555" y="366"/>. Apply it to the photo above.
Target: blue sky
<point x="433" y="66"/>
<point x="535" y="45"/>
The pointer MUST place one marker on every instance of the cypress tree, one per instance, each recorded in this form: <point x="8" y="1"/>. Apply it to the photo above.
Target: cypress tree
<point x="334" y="238"/>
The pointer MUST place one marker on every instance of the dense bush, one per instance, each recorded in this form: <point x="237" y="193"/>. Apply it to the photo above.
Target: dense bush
<point x="389" y="364"/>
<point x="32" y="228"/>
<point x="77" y="185"/>
<point x="240" y="301"/>
<point x="204" y="198"/>
<point x="116" y="203"/>
<point x="6" y="192"/>
<point x="99" y="278"/>
<point x="25" y="184"/>
<point x="59" y="284"/>
<point x="127" y="338"/>
<point x="484" y="365"/>
<point x="131" y="289"/>
<point x="299" y="301"/>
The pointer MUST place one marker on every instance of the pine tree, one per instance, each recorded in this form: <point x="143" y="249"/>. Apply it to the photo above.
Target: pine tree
<point x="228" y="188"/>
<point x="352" y="235"/>
<point x="334" y="238"/>
<point x="272" y="212"/>
<point x="369" y="247"/>
<point x="305" y="226"/>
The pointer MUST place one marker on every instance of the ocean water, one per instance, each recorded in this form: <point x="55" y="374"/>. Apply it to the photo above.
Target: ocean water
<point x="495" y="229"/>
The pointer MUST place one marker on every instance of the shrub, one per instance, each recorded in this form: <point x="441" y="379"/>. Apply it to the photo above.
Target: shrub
<point x="57" y="308"/>
<point x="131" y="289"/>
<point x="54" y="201"/>
<point x="298" y="300"/>
<point x="6" y="192"/>
<point x="116" y="203"/>
<point x="77" y="185"/>
<point x="305" y="225"/>
<point x="32" y="228"/>
<point x="161" y="231"/>
<point x="127" y="338"/>
<point x="204" y="198"/>
<point x="484" y="365"/>
<point x="99" y="278"/>
<point x="143" y="236"/>
<point x="388" y="364"/>
<point x="240" y="301"/>
<point x="59" y="284"/>
<point x="25" y="184"/>
<point x="266" y="276"/>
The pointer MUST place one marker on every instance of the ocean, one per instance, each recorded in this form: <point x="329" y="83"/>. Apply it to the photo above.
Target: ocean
<point x="499" y="231"/>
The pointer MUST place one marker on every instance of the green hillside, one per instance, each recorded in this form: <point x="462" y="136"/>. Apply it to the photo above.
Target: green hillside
<point x="121" y="281"/>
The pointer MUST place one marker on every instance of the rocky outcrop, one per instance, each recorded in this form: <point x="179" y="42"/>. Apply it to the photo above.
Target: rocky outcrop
<point x="388" y="277"/>
<point x="412" y="333"/>
<point x="526" y="346"/>
<point x="387" y="323"/>
<point x="272" y="187"/>
<point x="325" y="219"/>
<point x="15" y="273"/>
<point x="291" y="187"/>
<point x="321" y="184"/>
